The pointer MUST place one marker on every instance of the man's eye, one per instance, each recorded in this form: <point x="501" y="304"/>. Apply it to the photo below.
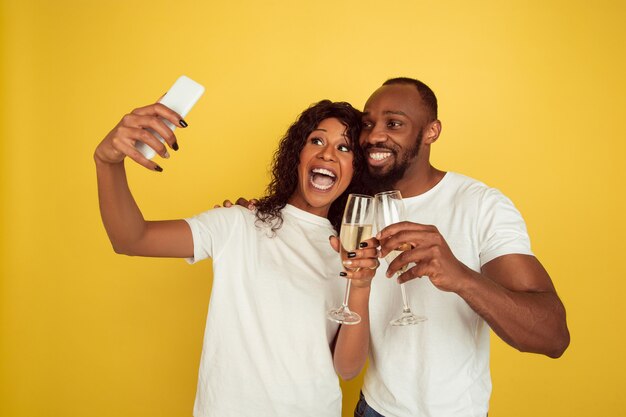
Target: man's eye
<point x="394" y="124"/>
<point x="366" y="125"/>
<point x="344" y="148"/>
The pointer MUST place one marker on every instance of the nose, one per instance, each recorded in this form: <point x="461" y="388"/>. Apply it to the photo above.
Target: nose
<point x="327" y="153"/>
<point x="373" y="136"/>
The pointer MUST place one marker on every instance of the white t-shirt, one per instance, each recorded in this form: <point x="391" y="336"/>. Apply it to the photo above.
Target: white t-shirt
<point x="266" y="344"/>
<point x="440" y="367"/>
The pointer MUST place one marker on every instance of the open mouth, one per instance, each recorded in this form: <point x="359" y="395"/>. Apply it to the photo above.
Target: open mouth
<point x="322" y="179"/>
<point x="379" y="156"/>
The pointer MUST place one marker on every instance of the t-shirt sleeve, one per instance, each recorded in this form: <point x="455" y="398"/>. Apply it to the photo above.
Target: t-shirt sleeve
<point x="211" y="231"/>
<point x="501" y="227"/>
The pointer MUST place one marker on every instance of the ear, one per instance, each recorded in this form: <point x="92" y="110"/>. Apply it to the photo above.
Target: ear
<point x="433" y="130"/>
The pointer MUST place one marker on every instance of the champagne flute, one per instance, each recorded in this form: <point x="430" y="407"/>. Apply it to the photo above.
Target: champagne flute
<point x="390" y="210"/>
<point x="356" y="226"/>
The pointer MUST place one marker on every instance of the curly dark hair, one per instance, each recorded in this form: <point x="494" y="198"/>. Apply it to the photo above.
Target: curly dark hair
<point x="287" y="158"/>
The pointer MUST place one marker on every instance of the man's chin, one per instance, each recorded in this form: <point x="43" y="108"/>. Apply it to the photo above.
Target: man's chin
<point x="378" y="172"/>
<point x="384" y="178"/>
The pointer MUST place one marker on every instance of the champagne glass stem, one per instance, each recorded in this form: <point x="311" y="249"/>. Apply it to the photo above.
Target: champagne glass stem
<point x="347" y="294"/>
<point x="405" y="301"/>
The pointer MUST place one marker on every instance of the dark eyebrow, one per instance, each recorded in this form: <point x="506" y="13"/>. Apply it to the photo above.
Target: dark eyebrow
<point x="396" y="112"/>
<point x="388" y="112"/>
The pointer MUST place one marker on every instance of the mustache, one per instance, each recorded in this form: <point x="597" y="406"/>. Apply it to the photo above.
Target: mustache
<point x="380" y="147"/>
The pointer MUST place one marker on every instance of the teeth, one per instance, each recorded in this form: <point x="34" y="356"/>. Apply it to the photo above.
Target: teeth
<point x="323" y="172"/>
<point x="321" y="187"/>
<point x="379" y="156"/>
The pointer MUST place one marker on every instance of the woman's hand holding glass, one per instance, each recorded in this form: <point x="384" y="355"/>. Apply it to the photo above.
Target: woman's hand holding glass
<point x="356" y="227"/>
<point x="360" y="268"/>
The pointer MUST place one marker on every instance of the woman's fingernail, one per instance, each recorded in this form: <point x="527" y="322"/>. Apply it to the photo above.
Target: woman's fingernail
<point x="343" y="274"/>
<point x="166" y="155"/>
<point x="363" y="244"/>
<point x="158" y="168"/>
<point x="351" y="254"/>
<point x="175" y="146"/>
<point x="183" y="123"/>
<point x="347" y="263"/>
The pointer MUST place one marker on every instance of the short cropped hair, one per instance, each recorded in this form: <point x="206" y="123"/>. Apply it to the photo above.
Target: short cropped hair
<point x="425" y="92"/>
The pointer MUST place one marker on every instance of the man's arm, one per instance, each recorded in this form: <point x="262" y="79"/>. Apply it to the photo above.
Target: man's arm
<point x="513" y="293"/>
<point x="516" y="297"/>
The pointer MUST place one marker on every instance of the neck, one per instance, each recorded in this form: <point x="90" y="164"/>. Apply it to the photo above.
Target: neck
<point x="420" y="177"/>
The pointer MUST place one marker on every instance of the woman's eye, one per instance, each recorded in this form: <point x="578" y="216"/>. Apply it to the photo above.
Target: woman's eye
<point x="344" y="148"/>
<point x="317" y="141"/>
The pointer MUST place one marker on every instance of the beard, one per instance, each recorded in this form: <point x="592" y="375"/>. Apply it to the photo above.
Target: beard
<point x="379" y="179"/>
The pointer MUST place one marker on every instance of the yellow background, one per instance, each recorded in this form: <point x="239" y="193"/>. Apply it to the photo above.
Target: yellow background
<point x="532" y="102"/>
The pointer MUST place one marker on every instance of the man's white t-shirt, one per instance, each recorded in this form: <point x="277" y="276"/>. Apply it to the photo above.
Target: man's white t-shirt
<point x="440" y="367"/>
<point x="266" y="344"/>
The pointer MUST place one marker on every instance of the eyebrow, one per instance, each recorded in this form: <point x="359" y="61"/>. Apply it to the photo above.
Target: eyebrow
<point x="326" y="131"/>
<point x="388" y="112"/>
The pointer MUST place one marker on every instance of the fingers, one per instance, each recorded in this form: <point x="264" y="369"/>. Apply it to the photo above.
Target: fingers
<point x="154" y="125"/>
<point x="147" y="125"/>
<point x="225" y="203"/>
<point x="369" y="243"/>
<point x="361" y="263"/>
<point x="412" y="273"/>
<point x="128" y="148"/>
<point x="360" y="277"/>
<point x="423" y="258"/>
<point x="405" y="239"/>
<point x="250" y="205"/>
<point x="403" y="226"/>
<point x="158" y="109"/>
<point x="357" y="264"/>
<point x="401" y="261"/>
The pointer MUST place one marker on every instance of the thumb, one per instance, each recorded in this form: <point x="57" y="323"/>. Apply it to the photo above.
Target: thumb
<point x="334" y="243"/>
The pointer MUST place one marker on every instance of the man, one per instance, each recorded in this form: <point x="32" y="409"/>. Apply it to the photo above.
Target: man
<point x="471" y="256"/>
<point x="470" y="268"/>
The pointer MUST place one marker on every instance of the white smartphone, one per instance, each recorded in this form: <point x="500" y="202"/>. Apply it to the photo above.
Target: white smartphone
<point x="181" y="97"/>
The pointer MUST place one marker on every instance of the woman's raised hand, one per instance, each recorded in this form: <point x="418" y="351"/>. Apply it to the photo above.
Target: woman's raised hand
<point x="134" y="127"/>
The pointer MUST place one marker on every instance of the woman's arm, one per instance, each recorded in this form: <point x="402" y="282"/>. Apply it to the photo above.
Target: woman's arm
<point x="352" y="342"/>
<point x="128" y="232"/>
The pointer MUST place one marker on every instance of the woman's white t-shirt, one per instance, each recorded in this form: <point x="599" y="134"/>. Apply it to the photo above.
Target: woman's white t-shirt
<point x="266" y="344"/>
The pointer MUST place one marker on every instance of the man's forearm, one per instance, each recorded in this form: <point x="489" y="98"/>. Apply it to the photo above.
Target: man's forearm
<point x="530" y="321"/>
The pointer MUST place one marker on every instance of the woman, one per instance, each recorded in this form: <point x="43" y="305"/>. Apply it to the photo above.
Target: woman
<point x="268" y="347"/>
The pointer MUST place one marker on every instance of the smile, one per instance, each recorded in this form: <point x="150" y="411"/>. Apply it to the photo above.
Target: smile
<point x="379" y="156"/>
<point x="322" y="179"/>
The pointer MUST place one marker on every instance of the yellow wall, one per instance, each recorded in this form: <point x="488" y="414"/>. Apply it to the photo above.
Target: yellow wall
<point x="532" y="102"/>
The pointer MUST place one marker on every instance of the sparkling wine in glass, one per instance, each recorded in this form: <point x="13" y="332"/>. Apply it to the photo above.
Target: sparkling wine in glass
<point x="390" y="210"/>
<point x="356" y="226"/>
